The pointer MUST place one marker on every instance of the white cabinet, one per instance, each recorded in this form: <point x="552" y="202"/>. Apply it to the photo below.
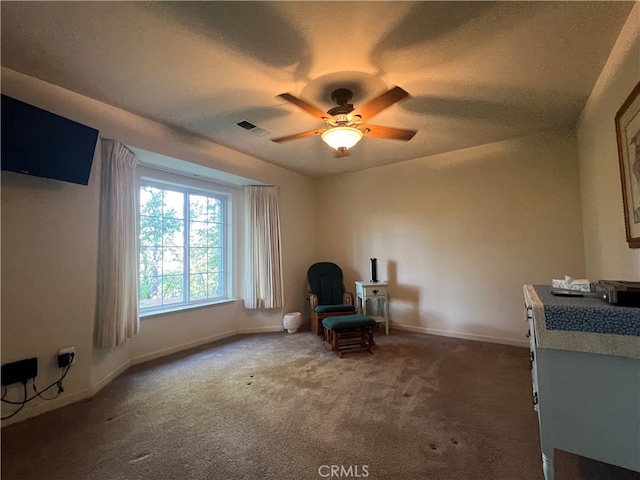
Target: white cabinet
<point x="586" y="384"/>
<point x="370" y="292"/>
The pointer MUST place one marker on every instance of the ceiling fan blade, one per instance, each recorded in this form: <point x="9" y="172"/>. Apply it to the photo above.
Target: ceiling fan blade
<point x="296" y="136"/>
<point x="381" y="102"/>
<point x="307" y="107"/>
<point x="388" y="132"/>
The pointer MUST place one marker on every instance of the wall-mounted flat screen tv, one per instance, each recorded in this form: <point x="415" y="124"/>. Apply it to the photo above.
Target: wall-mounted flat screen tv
<point x="40" y="143"/>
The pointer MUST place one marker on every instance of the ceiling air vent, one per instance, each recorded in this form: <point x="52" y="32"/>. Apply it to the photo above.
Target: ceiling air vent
<point x="254" y="129"/>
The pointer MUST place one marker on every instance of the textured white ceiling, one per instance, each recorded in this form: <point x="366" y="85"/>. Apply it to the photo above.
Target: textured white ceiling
<point x="477" y="72"/>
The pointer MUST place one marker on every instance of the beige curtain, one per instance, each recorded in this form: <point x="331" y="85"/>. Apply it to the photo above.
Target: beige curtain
<point x="264" y="262"/>
<point x="117" y="304"/>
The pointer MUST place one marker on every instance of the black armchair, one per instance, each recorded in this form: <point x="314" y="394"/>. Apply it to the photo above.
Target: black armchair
<point x="327" y="295"/>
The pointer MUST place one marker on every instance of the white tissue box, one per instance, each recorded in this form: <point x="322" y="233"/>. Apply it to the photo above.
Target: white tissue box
<point x="571" y="284"/>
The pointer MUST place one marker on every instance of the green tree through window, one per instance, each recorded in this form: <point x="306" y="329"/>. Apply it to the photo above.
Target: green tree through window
<point x="182" y="246"/>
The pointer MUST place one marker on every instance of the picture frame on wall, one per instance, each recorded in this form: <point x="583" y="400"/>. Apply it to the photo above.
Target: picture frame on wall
<point x="628" y="136"/>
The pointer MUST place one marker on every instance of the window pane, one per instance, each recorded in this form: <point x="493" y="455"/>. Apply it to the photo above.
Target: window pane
<point x="215" y="235"/>
<point x="198" y="207"/>
<point x="198" y="260"/>
<point x="151" y="201"/>
<point x="214" y="209"/>
<point x="173" y="204"/>
<point x="172" y="260"/>
<point x="150" y="230"/>
<point x="173" y="232"/>
<point x="172" y="289"/>
<point x="150" y="261"/>
<point x="197" y="234"/>
<point x="198" y="286"/>
<point x="215" y="285"/>
<point x="150" y="291"/>
<point x="215" y="260"/>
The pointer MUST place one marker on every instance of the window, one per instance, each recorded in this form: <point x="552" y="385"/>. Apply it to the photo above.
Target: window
<point x="184" y="237"/>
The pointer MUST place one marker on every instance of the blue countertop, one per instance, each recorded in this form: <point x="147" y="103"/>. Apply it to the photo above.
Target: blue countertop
<point x="587" y="314"/>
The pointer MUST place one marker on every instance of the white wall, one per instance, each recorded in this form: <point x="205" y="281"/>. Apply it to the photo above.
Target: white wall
<point x="49" y="253"/>
<point x="457" y="235"/>
<point x="49" y="244"/>
<point x="607" y="253"/>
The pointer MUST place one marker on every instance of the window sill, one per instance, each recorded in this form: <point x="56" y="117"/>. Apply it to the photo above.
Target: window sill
<point x="180" y="308"/>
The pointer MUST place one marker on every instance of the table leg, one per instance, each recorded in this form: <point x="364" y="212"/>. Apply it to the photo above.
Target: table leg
<point x="547" y="465"/>
<point x="386" y="314"/>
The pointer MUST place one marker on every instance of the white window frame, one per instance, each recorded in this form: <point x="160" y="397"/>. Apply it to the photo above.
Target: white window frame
<point x="149" y="176"/>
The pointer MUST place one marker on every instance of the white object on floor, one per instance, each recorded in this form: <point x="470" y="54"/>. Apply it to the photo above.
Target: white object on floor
<point x="292" y="321"/>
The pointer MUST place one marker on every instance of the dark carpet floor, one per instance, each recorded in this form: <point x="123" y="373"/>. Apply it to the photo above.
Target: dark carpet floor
<point x="281" y="406"/>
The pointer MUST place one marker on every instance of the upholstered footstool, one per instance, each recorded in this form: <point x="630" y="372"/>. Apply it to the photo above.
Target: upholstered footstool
<point x="349" y="333"/>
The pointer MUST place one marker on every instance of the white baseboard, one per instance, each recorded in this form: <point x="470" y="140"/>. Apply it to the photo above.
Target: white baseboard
<point x="271" y="329"/>
<point x="107" y="379"/>
<point x="185" y="346"/>
<point x="464" y="336"/>
<point x="44" y="407"/>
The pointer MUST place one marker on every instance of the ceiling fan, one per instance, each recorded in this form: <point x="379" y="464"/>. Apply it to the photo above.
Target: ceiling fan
<point x="343" y="124"/>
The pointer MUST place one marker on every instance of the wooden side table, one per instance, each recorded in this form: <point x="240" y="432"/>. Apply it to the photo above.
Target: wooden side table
<point x="366" y="290"/>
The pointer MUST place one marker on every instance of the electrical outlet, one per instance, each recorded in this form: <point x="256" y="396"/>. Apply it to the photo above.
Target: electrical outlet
<point x="62" y="356"/>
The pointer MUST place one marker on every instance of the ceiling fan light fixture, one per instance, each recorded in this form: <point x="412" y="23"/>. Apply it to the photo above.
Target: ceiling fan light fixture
<point x="342" y="138"/>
